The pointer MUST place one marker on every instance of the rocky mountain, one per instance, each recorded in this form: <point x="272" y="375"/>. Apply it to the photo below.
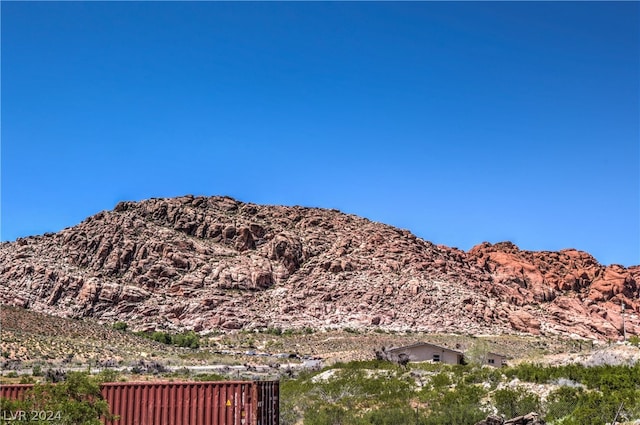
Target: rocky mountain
<point x="217" y="263"/>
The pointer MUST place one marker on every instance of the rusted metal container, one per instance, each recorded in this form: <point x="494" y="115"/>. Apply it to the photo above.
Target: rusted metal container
<point x="193" y="403"/>
<point x="14" y="391"/>
<point x="185" y="403"/>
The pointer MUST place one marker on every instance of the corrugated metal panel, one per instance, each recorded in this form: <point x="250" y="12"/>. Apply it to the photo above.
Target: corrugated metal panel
<point x="185" y="403"/>
<point x="268" y="402"/>
<point x="14" y="391"/>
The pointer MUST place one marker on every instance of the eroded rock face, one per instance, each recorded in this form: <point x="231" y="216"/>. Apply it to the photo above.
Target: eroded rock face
<point x="581" y="296"/>
<point x="202" y="263"/>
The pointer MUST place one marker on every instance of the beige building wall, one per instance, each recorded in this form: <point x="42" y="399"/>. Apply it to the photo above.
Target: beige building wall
<point x="495" y="359"/>
<point x="428" y="352"/>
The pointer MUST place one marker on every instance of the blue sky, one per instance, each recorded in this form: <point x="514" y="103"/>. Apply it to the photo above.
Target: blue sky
<point x="462" y="122"/>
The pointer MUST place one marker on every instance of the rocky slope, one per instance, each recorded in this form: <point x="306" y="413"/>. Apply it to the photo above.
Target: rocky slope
<point x="207" y="263"/>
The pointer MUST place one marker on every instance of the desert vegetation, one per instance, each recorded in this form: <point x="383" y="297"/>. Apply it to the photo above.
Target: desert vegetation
<point x="76" y="400"/>
<point x="29" y="337"/>
<point x="545" y="373"/>
<point x="378" y="392"/>
<point x="187" y="339"/>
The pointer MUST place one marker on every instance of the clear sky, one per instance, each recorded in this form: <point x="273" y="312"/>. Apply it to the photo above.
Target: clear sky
<point x="462" y="122"/>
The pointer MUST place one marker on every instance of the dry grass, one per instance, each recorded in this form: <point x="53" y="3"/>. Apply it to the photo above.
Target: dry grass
<point x="335" y="346"/>
<point x="28" y="336"/>
<point x="31" y="338"/>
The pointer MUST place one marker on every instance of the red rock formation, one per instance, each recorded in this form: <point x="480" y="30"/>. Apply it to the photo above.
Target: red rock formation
<point x="202" y="263"/>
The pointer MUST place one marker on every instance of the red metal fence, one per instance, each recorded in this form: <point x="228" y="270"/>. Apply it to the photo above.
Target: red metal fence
<point x="182" y="403"/>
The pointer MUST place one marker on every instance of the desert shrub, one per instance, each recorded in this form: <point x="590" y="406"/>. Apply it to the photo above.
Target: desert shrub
<point x="605" y="378"/>
<point x="36" y="370"/>
<point x="273" y="331"/>
<point x="328" y="415"/>
<point x="107" y="375"/>
<point x="529" y="372"/>
<point x="295" y="398"/>
<point x="480" y="374"/>
<point x="365" y="364"/>
<point x="515" y="402"/>
<point x="433" y="367"/>
<point x="394" y="416"/>
<point x="290" y="414"/>
<point x="380" y="392"/>
<point x="441" y="381"/>
<point x="594" y="408"/>
<point x="188" y="340"/>
<point x="76" y="401"/>
<point x="563" y="402"/>
<point x="120" y="326"/>
<point x="607" y="389"/>
<point x="353" y="395"/>
<point x="162" y="337"/>
<point x="210" y="377"/>
<point x="460" y="406"/>
<point x="26" y="379"/>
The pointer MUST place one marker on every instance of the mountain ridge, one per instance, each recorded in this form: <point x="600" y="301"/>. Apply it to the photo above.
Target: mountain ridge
<point x="208" y="263"/>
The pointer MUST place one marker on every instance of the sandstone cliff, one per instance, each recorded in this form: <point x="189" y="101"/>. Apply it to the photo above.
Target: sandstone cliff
<point x="205" y="263"/>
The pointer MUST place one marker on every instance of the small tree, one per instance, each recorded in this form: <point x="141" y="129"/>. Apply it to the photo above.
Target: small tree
<point x="516" y="402"/>
<point x="76" y="401"/>
<point x="562" y="402"/>
<point x="37" y="370"/>
<point x="120" y="326"/>
<point x="189" y="339"/>
<point x="161" y="337"/>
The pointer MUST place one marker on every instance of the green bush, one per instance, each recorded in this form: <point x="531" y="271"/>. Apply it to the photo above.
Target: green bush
<point x="605" y="378"/>
<point x="120" y="326"/>
<point x="379" y="392"/>
<point x="441" y="381"/>
<point x="107" y="375"/>
<point x="593" y="408"/>
<point x="26" y="379"/>
<point x="273" y="331"/>
<point x="210" y="377"/>
<point x="480" y="375"/>
<point x="76" y="401"/>
<point x="188" y="340"/>
<point x="394" y="416"/>
<point x="515" y="402"/>
<point x="328" y="415"/>
<point x="562" y="402"/>
<point x="461" y="406"/>
<point x="161" y="337"/>
<point x="366" y="364"/>
<point x="36" y="370"/>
